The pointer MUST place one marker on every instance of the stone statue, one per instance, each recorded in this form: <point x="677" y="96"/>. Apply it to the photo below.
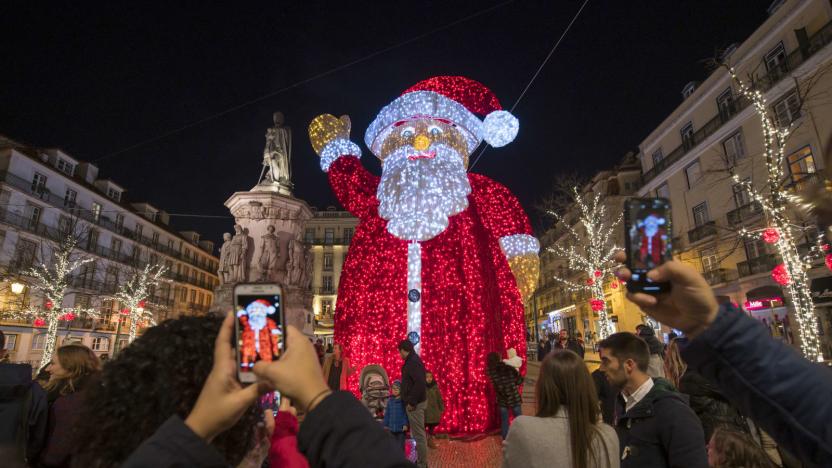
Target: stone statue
<point x="236" y="256"/>
<point x="306" y="281"/>
<point x="278" y="152"/>
<point x="223" y="271"/>
<point x="269" y="251"/>
<point x="294" y="266"/>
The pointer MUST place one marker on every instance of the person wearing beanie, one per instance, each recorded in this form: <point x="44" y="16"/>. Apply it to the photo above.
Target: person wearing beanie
<point x="414" y="396"/>
<point x="395" y="416"/>
<point x="420" y="220"/>
<point x="655" y="369"/>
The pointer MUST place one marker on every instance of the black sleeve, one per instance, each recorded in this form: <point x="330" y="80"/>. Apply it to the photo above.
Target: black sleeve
<point x="341" y="432"/>
<point x="174" y="445"/>
<point x="682" y="435"/>
<point x="786" y="395"/>
<point x="38" y="418"/>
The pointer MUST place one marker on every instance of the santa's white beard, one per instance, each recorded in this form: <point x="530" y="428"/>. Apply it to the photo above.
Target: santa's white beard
<point x="418" y="196"/>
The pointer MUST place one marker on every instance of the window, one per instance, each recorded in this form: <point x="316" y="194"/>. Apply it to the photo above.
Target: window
<point x="39" y="183"/>
<point x="329" y="235"/>
<point x="326" y="283"/>
<point x="38" y="341"/>
<point x="34" y="215"/>
<point x="100" y="343"/>
<point x="170" y="245"/>
<point x="657" y="157"/>
<point x="755" y="248"/>
<point x="693" y="173"/>
<point x="111" y="276"/>
<point x="183" y="294"/>
<point x="155" y="238"/>
<point x="137" y="252"/>
<point x="326" y="307"/>
<point x="709" y="260"/>
<point x="70" y="198"/>
<point x="700" y="214"/>
<point x="787" y="109"/>
<point x="687" y="135"/>
<point x="96" y="212"/>
<point x="726" y="105"/>
<point x="119" y="221"/>
<point x="64" y="225"/>
<point x="775" y="61"/>
<point x="327" y="262"/>
<point x="801" y="164"/>
<point x="348" y="233"/>
<point x="65" y="166"/>
<point x="742" y="196"/>
<point x="11" y="342"/>
<point x="139" y="229"/>
<point x="193" y="296"/>
<point x="114" y="194"/>
<point x="199" y="298"/>
<point x="734" y="147"/>
<point x="92" y="240"/>
<point x="25" y="253"/>
<point x="663" y="191"/>
<point x="309" y="235"/>
<point x="688" y="89"/>
<point x="115" y="245"/>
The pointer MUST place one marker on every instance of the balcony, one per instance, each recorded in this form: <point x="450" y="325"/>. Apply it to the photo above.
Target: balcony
<point x="762" y="264"/>
<point x="324" y="291"/>
<point x="720" y="275"/>
<point x="763" y="83"/>
<point x="328" y="241"/>
<point x="744" y="213"/>
<point x="701" y="232"/>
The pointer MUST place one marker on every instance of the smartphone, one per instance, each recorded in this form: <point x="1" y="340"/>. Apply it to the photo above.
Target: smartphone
<point x="270" y="401"/>
<point x="259" y="332"/>
<point x="648" y="234"/>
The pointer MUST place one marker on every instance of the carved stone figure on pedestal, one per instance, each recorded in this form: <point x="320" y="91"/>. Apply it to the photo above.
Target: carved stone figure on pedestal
<point x="236" y="259"/>
<point x="277" y="153"/>
<point x="294" y="266"/>
<point x="269" y="252"/>
<point x="306" y="281"/>
<point x="223" y="271"/>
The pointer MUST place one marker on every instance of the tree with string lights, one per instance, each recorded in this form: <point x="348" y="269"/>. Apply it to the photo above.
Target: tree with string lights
<point x="780" y="230"/>
<point x="133" y="295"/>
<point x="51" y="279"/>
<point x="590" y="248"/>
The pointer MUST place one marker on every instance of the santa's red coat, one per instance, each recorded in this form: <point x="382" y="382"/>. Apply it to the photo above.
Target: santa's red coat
<point x="470" y="301"/>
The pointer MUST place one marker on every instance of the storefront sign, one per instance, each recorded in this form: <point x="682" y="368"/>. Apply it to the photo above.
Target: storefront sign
<point x="767" y="303"/>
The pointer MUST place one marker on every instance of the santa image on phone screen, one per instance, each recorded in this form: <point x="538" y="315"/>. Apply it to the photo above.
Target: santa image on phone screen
<point x="653" y="237"/>
<point x="259" y="334"/>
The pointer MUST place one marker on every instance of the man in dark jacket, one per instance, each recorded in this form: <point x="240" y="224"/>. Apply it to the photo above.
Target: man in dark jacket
<point x="655" y="425"/>
<point x="767" y="380"/>
<point x="23" y="412"/>
<point x="414" y="394"/>
<point x="505" y="380"/>
<point x="565" y="342"/>
<point x="607" y="395"/>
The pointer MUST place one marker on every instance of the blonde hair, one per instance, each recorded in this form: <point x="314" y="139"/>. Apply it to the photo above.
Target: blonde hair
<point x="79" y="362"/>
<point x="674" y="366"/>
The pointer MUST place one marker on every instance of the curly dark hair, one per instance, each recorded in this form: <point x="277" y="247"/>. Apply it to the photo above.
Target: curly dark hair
<point x="158" y="375"/>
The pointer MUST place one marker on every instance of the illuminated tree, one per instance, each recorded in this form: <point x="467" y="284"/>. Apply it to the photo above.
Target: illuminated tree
<point x="133" y="296"/>
<point x="589" y="249"/>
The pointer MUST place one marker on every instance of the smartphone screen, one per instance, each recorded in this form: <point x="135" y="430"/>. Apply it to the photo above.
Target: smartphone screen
<point x="259" y="330"/>
<point x="649" y="235"/>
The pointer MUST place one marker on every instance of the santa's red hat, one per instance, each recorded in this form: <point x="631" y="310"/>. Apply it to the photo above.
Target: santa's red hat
<point x="454" y="99"/>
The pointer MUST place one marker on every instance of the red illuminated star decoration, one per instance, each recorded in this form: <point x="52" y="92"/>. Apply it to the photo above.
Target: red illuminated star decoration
<point x="39" y="322"/>
<point x="780" y="275"/>
<point x="771" y="235"/>
<point x="597" y="305"/>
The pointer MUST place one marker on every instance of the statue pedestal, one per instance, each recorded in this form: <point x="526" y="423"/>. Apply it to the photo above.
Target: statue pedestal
<point x="254" y="211"/>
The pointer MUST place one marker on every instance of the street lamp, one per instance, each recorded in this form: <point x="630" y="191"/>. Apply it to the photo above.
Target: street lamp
<point x="17" y="288"/>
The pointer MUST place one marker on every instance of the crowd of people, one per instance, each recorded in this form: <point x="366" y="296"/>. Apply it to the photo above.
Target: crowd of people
<point x="723" y="394"/>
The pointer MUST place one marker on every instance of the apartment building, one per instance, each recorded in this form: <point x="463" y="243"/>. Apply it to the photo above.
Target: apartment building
<point x="46" y="192"/>
<point x="328" y="234"/>
<point x="553" y="307"/>
<point x="714" y="132"/>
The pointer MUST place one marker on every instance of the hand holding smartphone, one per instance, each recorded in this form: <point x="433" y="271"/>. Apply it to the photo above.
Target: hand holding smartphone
<point x="648" y="234"/>
<point x="259" y="327"/>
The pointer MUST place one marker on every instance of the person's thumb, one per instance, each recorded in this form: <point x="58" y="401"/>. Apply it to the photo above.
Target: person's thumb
<point x="268" y="371"/>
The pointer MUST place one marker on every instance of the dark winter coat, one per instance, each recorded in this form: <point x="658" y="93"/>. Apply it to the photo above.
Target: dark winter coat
<point x="709" y="404"/>
<point x="768" y="381"/>
<point x="607" y="395"/>
<point x="23" y="413"/>
<point x="506" y="380"/>
<point x="571" y="345"/>
<point x="395" y="416"/>
<point x="64" y="412"/>
<point x="436" y="406"/>
<point x="413" y="380"/>
<point x="660" y="431"/>
<point x="338" y="432"/>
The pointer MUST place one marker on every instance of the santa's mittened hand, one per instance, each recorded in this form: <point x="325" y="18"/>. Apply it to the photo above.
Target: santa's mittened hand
<point x="326" y="128"/>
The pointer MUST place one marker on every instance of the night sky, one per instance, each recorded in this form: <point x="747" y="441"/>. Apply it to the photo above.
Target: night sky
<point x="97" y="81"/>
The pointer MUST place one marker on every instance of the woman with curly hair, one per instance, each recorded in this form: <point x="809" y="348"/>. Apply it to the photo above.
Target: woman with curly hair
<point x="158" y="376"/>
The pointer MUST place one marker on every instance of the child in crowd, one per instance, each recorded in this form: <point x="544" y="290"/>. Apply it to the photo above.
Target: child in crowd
<point x="395" y="416"/>
<point x="729" y="448"/>
<point x="434" y="409"/>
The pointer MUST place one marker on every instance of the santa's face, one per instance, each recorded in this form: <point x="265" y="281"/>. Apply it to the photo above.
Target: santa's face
<point x="257" y="316"/>
<point x="651" y="225"/>
<point x="423" y="179"/>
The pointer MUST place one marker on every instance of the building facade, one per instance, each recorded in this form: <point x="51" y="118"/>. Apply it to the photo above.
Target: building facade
<point x="714" y="133"/>
<point x="553" y="307"/>
<point x="328" y="234"/>
<point x="45" y="194"/>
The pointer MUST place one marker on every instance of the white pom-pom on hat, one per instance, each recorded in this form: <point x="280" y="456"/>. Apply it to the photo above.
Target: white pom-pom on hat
<point x="500" y="128"/>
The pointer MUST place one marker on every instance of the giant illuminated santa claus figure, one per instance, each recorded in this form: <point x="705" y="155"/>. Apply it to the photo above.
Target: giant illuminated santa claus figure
<point x="440" y="256"/>
<point x="260" y="335"/>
